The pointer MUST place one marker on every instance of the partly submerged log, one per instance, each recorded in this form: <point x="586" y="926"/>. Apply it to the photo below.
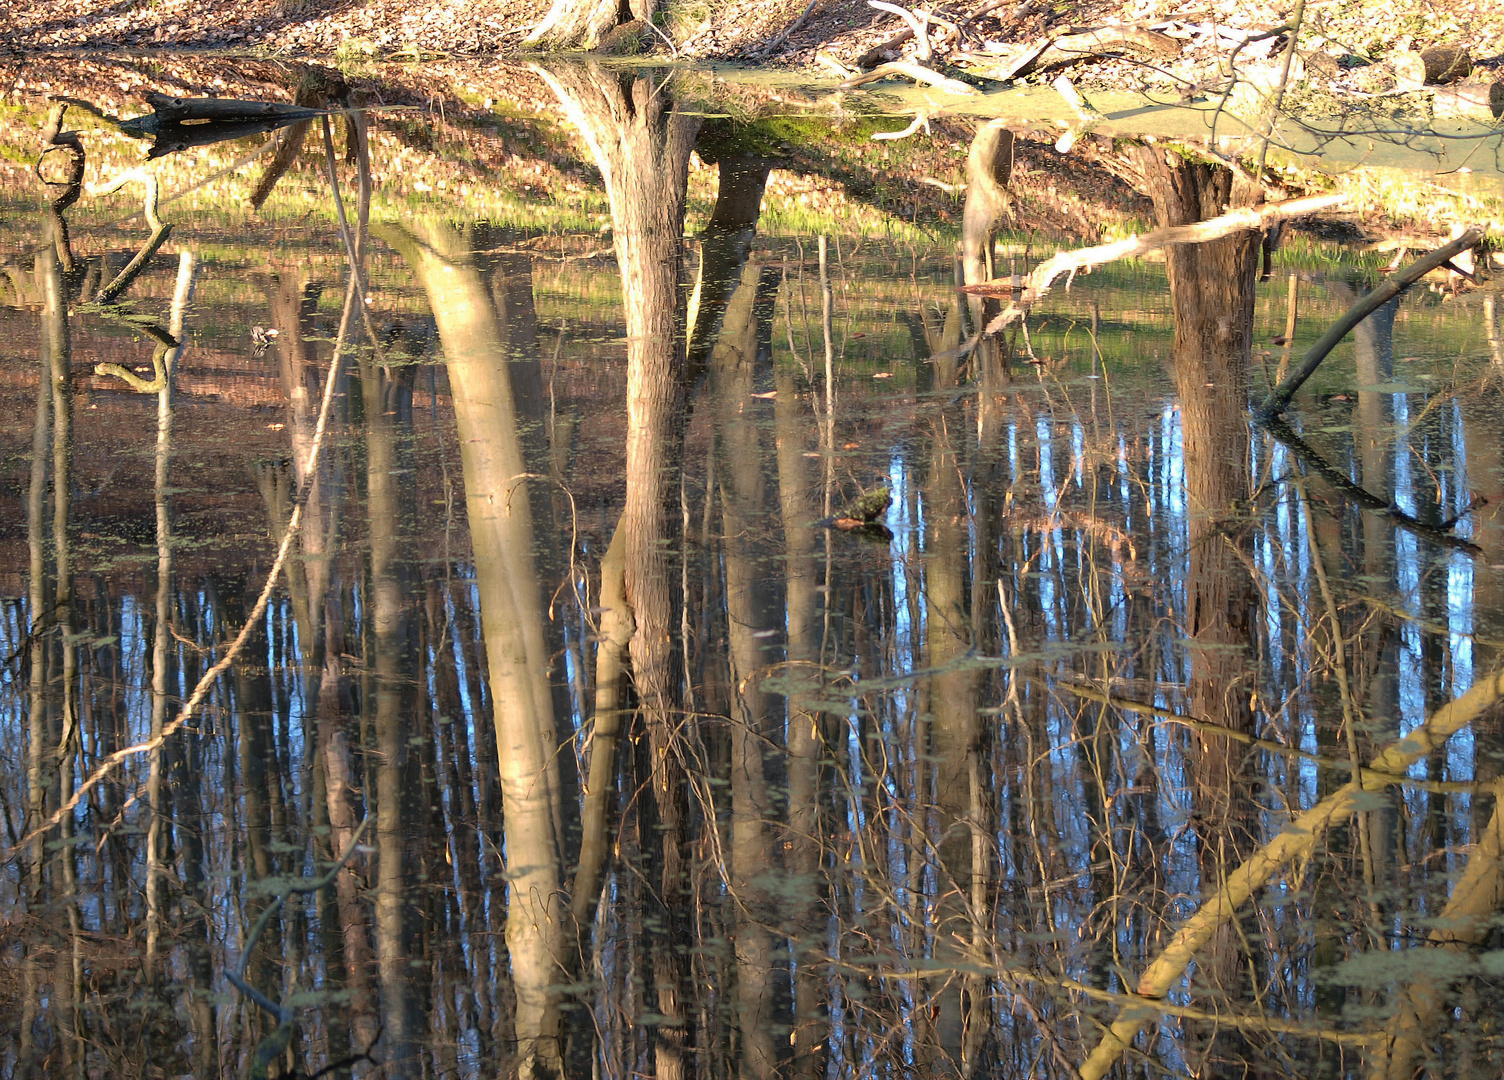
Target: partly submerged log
<point x="911" y="70"/>
<point x="1099" y="43"/>
<point x="179" y="123"/>
<point x="1294" y="841"/>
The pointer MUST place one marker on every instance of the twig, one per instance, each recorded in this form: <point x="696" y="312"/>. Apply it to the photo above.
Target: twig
<point x="1091" y="693"/>
<point x="274" y="1045"/>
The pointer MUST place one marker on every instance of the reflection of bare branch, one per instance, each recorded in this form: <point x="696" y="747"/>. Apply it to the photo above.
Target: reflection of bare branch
<point x="211" y="677"/>
<point x="275" y="1045"/>
<point x="1440" y="534"/>
<point x="159" y="234"/>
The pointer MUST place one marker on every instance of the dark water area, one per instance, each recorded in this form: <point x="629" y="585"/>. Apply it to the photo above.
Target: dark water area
<point x="439" y="646"/>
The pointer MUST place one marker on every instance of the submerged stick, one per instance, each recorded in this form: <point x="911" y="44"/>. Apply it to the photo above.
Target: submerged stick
<point x="1279" y="398"/>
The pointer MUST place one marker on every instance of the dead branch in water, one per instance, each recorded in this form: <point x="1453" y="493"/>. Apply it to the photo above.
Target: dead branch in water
<point x="1297" y="838"/>
<point x="1279" y="397"/>
<point x="1036" y="284"/>
<point x="910" y="70"/>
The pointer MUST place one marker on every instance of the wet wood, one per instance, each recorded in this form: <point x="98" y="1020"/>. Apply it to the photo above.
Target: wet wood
<point x="910" y="70"/>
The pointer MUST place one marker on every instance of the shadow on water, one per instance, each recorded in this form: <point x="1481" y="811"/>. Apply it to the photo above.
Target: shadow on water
<point x="667" y="635"/>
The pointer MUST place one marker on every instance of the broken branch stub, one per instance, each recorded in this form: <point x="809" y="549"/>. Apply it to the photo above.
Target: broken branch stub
<point x="918" y="25"/>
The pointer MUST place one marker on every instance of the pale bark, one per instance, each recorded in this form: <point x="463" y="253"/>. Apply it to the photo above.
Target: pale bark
<point x="606" y="732"/>
<point x="581" y="24"/>
<point x="800" y="507"/>
<point x="1463" y="925"/>
<point x="1033" y="287"/>
<point x="162" y="646"/>
<point x="513" y="620"/>
<point x="390" y="501"/>
<point x="1294" y="840"/>
<point x="750" y="617"/>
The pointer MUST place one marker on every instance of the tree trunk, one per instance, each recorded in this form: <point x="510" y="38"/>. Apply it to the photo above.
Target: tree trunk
<point x="513" y="620"/>
<point x="641" y="145"/>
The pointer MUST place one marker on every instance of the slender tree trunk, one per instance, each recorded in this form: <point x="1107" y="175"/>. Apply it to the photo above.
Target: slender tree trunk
<point x="391" y="497"/>
<point x="68" y="991"/>
<point x="750" y="616"/>
<point x="800" y="506"/>
<point x="513" y="619"/>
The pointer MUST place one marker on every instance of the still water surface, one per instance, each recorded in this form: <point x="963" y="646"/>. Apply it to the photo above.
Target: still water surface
<point x="717" y="660"/>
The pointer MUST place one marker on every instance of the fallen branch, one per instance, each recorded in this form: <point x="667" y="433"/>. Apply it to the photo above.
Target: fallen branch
<point x="887" y="50"/>
<point x="1279" y="397"/>
<point x="918" y="25"/>
<point x="1101" y="43"/>
<point x="910" y="70"/>
<point x="776" y="42"/>
<point x="1037" y="283"/>
<point x="1295" y="839"/>
<point x="921" y="120"/>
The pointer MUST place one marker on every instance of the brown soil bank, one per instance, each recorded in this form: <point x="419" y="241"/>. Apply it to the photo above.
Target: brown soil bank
<point x="1185" y="47"/>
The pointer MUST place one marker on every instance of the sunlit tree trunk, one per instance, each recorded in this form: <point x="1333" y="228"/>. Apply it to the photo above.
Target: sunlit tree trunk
<point x="162" y="647"/>
<point x="513" y="619"/>
<point x="952" y="708"/>
<point x="641" y="145"/>
<point x="581" y="24"/>
<point x="68" y="988"/>
<point x="40" y="758"/>
<point x="800" y="507"/>
<point x="1212" y="294"/>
